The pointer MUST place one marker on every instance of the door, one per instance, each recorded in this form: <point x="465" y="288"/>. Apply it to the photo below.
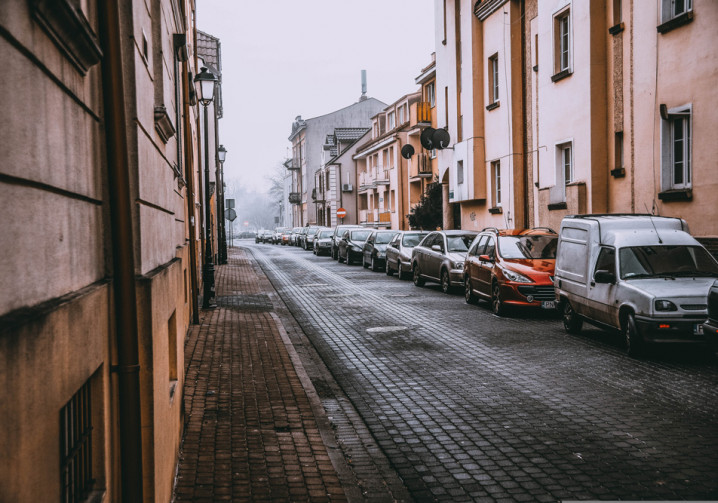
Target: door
<point x="472" y="262"/>
<point x="601" y="296"/>
<point x="486" y="267"/>
<point x="434" y="257"/>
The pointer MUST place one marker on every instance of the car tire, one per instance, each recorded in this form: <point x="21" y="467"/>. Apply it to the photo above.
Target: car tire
<point x="363" y="262"/>
<point x="399" y="271"/>
<point x="387" y="269"/>
<point x="339" y="257"/>
<point x="373" y="265"/>
<point x="634" y="343"/>
<point x="468" y="292"/>
<point x="348" y="258"/>
<point x="445" y="281"/>
<point x="497" y="305"/>
<point x="572" y="321"/>
<point x="418" y="280"/>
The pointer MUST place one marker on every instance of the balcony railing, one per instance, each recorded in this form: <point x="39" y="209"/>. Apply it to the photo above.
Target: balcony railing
<point x="421" y="166"/>
<point x="423" y="113"/>
<point x="291" y="164"/>
<point x="385" y="217"/>
<point x="295" y="198"/>
<point x="382" y="177"/>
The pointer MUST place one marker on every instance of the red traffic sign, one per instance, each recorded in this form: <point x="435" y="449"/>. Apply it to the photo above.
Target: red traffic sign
<point x="341" y="212"/>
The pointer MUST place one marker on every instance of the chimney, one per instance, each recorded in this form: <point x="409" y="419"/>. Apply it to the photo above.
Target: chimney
<point x="363" y="86"/>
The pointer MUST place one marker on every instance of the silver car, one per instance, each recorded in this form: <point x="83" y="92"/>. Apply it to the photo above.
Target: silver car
<point x="440" y="258"/>
<point x="322" y="243"/>
<point x="398" y="253"/>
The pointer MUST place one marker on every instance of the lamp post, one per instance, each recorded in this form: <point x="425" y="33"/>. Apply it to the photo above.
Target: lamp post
<point x="222" y="240"/>
<point x="205" y="82"/>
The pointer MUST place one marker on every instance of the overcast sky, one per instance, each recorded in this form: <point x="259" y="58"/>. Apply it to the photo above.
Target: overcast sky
<point x="283" y="58"/>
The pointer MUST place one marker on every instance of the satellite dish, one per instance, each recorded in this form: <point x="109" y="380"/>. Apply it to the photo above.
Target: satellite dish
<point x="440" y="139"/>
<point x="407" y="151"/>
<point x="426" y="138"/>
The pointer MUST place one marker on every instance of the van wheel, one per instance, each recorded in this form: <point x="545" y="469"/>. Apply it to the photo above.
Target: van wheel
<point x="572" y="321"/>
<point x="418" y="280"/>
<point x="468" y="292"/>
<point x="634" y="343"/>
<point x="497" y="305"/>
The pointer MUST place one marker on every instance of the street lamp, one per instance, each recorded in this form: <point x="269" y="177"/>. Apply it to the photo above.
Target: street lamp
<point x="205" y="82"/>
<point x="221" y="156"/>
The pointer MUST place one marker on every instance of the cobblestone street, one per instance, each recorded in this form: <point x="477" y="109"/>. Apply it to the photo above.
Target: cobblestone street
<point x="467" y="406"/>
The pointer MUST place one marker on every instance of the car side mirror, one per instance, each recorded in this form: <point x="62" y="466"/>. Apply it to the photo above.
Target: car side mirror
<point x="436" y="248"/>
<point x="485" y="258"/>
<point x="603" y="276"/>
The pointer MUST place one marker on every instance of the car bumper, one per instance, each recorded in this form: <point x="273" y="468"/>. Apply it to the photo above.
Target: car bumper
<point x="456" y="276"/>
<point x="529" y="295"/>
<point x="669" y="330"/>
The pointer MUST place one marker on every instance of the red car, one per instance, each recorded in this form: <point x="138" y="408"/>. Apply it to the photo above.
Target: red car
<point x="511" y="268"/>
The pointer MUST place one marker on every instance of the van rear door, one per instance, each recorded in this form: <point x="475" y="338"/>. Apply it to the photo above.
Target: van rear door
<point x="572" y="259"/>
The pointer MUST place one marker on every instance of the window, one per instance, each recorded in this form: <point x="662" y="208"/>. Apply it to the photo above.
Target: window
<point x="562" y="45"/>
<point x="494" y="79"/>
<point x="674" y="8"/>
<point x="460" y="172"/>
<point x="617" y="14"/>
<point x="431" y="94"/>
<point x="618" y="169"/>
<point x="676" y="149"/>
<point x="76" y="446"/>
<point x="392" y="120"/>
<point x="606" y="261"/>
<point x="496" y="182"/>
<point x="566" y="162"/>
<point x="401" y="114"/>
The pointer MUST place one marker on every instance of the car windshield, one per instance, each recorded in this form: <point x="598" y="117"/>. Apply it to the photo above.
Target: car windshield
<point x="359" y="235"/>
<point x="459" y="243"/>
<point x="383" y="238"/>
<point x="411" y="240"/>
<point x="657" y="261"/>
<point x="326" y="234"/>
<point x="528" y="246"/>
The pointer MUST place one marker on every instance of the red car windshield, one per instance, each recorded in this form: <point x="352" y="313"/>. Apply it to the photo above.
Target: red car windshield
<point x="528" y="247"/>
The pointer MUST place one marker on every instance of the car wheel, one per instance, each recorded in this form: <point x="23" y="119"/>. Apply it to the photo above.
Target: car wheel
<point x="634" y="343"/>
<point x="348" y="258"/>
<point x="399" y="271"/>
<point x="418" y="280"/>
<point x="389" y="271"/>
<point x="468" y="292"/>
<point x="373" y="265"/>
<point x="445" y="282"/>
<point x="363" y="262"/>
<point x="572" y="321"/>
<point x="497" y="305"/>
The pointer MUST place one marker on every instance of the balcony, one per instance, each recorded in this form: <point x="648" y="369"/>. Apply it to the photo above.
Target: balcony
<point x="366" y="180"/>
<point x="423" y="113"/>
<point x="385" y="218"/>
<point x="295" y="198"/>
<point x="292" y="165"/>
<point x="382" y="177"/>
<point x="421" y="168"/>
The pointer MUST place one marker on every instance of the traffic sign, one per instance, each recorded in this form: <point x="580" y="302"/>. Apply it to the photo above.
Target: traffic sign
<point x="230" y="214"/>
<point x="341" y="212"/>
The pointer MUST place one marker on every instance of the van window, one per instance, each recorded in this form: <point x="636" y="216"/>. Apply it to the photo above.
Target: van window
<point x="606" y="261"/>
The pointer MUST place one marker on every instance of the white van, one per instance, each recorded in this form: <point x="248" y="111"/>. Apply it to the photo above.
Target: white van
<point x="641" y="274"/>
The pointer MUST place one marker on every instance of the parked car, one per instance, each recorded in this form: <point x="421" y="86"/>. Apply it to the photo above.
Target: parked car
<point x="286" y="236"/>
<point x="304" y="235"/>
<point x="511" y="268"/>
<point x="710" y="327"/>
<point x="323" y="241"/>
<point x="351" y="243"/>
<point x="262" y="236"/>
<point x="440" y="257"/>
<point x="277" y="235"/>
<point x="374" y="249"/>
<point x="643" y="275"/>
<point x="311" y="234"/>
<point x="293" y="235"/>
<point x="398" y="252"/>
<point x="337" y="235"/>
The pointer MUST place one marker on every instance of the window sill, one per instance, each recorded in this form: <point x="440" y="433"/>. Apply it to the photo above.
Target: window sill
<point x="676" y="195"/>
<point x="561" y="75"/>
<point x="676" y="22"/>
<point x="615" y="30"/>
<point x="535" y="68"/>
<point x="558" y="206"/>
<point x="618" y="172"/>
<point x="493" y="105"/>
<point x="496" y="210"/>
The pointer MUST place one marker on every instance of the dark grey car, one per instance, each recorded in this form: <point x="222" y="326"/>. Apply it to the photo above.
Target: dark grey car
<point x="337" y="235"/>
<point x="440" y="258"/>
<point x="398" y="253"/>
<point x="374" y="250"/>
<point x="351" y="244"/>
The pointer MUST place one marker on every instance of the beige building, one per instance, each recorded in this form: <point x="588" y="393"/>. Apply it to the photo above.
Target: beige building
<point x="382" y="184"/>
<point x="100" y="189"/>
<point x="568" y="107"/>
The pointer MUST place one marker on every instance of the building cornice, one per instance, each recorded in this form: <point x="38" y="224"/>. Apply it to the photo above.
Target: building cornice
<point x="373" y="148"/>
<point x="483" y="9"/>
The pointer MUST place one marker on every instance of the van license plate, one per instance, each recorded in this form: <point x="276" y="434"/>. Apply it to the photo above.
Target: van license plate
<point x="698" y="329"/>
<point x="548" y="304"/>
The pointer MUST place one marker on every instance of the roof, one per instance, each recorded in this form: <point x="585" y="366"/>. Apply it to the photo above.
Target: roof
<point x="350" y="133"/>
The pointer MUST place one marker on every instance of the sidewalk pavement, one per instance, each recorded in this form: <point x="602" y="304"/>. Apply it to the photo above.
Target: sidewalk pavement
<point x="251" y="433"/>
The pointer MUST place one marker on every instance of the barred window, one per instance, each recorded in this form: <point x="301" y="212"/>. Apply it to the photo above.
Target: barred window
<point x="76" y="447"/>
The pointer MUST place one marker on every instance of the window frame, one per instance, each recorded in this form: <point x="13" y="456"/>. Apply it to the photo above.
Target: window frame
<point x="431" y="94"/>
<point x="682" y="115"/>
<point x="563" y="44"/>
<point x="460" y="172"/>
<point x="496" y="183"/>
<point x="493" y="70"/>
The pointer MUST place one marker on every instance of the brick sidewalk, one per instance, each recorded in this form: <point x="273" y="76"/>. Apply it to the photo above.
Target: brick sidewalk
<point x="250" y="433"/>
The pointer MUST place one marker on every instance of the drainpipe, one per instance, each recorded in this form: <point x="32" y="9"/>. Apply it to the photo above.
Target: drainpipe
<point x="191" y="210"/>
<point x="397" y="154"/>
<point x="127" y="368"/>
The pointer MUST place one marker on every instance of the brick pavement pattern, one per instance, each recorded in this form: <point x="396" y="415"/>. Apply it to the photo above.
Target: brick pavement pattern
<point x="250" y="433"/>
